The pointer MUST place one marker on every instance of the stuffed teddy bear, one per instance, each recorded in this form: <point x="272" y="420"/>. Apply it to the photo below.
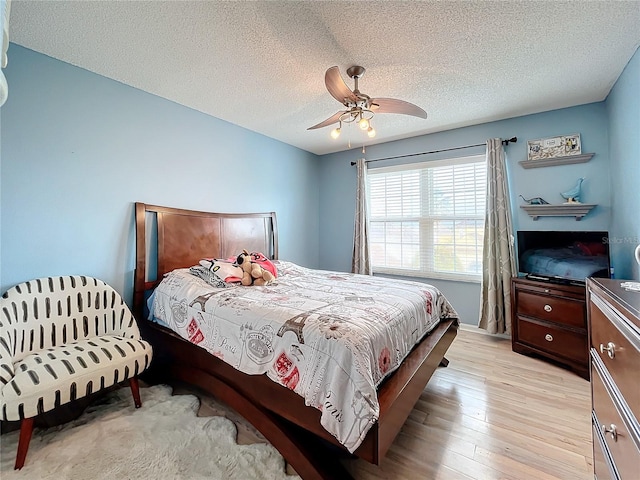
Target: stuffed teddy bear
<point x="253" y="273"/>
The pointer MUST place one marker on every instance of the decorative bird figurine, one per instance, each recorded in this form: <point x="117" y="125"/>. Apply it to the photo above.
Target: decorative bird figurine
<point x="573" y="195"/>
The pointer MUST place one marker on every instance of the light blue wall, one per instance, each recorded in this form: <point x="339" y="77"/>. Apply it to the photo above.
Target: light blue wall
<point x="623" y="108"/>
<point x="338" y="178"/>
<point x="79" y="149"/>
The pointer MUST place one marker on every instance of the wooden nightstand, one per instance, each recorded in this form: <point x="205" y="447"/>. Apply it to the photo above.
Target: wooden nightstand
<point x="550" y="320"/>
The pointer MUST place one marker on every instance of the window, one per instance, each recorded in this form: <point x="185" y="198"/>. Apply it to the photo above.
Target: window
<point x="427" y="219"/>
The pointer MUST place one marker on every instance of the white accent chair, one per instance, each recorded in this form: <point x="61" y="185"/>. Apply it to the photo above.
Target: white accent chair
<point x="63" y="338"/>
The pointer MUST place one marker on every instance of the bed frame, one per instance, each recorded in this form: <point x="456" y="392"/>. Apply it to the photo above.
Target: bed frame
<point x="175" y="238"/>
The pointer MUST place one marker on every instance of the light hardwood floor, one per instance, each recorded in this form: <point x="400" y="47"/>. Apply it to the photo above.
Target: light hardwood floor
<point x="491" y="414"/>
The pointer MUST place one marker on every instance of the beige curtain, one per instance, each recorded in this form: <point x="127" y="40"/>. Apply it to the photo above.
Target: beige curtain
<point x="498" y="263"/>
<point x="361" y="261"/>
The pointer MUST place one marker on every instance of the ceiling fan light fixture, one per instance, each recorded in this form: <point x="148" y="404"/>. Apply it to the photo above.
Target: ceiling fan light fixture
<point x="360" y="107"/>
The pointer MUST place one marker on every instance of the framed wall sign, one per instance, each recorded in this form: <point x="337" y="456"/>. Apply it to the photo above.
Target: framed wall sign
<point x="561" y="146"/>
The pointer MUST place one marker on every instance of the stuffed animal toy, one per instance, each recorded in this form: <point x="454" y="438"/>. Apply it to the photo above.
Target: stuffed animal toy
<point x="253" y="273"/>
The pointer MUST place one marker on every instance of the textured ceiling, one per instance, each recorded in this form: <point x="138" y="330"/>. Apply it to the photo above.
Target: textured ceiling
<point x="261" y="64"/>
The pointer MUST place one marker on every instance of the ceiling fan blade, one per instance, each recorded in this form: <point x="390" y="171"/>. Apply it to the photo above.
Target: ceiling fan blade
<point x="392" y="105"/>
<point x="335" y="118"/>
<point x="336" y="86"/>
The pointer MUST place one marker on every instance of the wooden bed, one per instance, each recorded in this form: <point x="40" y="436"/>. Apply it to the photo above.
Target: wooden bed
<point x="174" y="238"/>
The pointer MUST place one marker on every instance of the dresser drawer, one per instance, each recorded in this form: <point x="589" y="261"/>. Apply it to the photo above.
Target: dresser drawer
<point x="602" y="463"/>
<point x="553" y="339"/>
<point x="620" y="356"/>
<point x="554" y="309"/>
<point x="620" y="444"/>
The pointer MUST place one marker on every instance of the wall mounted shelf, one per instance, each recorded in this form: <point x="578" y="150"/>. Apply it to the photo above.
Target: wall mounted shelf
<point x="553" y="161"/>
<point x="577" y="210"/>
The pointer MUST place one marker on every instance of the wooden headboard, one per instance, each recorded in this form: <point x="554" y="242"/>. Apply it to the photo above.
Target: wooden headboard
<point x="169" y="238"/>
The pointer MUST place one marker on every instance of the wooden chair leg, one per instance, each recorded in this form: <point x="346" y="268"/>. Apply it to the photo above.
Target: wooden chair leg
<point x="26" y="429"/>
<point x="135" y="390"/>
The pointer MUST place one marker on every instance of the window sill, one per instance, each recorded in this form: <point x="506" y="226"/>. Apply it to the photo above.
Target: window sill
<point x="420" y="278"/>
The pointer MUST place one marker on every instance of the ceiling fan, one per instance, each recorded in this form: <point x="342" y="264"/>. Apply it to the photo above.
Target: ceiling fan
<point x="360" y="107"/>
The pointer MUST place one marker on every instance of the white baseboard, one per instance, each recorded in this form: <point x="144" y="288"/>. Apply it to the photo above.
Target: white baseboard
<point x="474" y="329"/>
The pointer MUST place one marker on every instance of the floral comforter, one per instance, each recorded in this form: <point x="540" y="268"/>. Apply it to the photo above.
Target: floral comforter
<point x="330" y="337"/>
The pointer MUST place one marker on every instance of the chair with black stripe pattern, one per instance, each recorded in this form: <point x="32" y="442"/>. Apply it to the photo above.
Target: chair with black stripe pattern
<point x="64" y="338"/>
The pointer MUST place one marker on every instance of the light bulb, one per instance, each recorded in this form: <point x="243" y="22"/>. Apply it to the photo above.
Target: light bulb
<point x="371" y="132"/>
<point x="335" y="133"/>
<point x="364" y="124"/>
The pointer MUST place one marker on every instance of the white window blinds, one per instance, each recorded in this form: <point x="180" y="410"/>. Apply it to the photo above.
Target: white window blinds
<point x="427" y="219"/>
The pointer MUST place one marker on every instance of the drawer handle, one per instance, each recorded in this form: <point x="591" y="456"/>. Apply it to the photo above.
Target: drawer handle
<point x="547" y="308"/>
<point x="548" y="337"/>
<point x="610" y="349"/>
<point x="613" y="430"/>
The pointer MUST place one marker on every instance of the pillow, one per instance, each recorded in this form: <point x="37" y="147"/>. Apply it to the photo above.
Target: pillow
<point x="227" y="271"/>
<point x="208" y="276"/>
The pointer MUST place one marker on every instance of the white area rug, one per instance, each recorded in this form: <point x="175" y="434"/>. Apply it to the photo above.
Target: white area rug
<point x="162" y="440"/>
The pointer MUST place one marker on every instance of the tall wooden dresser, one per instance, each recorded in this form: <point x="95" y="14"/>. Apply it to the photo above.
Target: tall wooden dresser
<point x="614" y="332"/>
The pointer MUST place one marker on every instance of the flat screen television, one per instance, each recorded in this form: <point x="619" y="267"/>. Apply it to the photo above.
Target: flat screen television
<point x="563" y="256"/>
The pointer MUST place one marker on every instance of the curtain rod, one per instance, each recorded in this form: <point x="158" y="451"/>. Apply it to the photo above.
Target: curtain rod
<point x="504" y="142"/>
